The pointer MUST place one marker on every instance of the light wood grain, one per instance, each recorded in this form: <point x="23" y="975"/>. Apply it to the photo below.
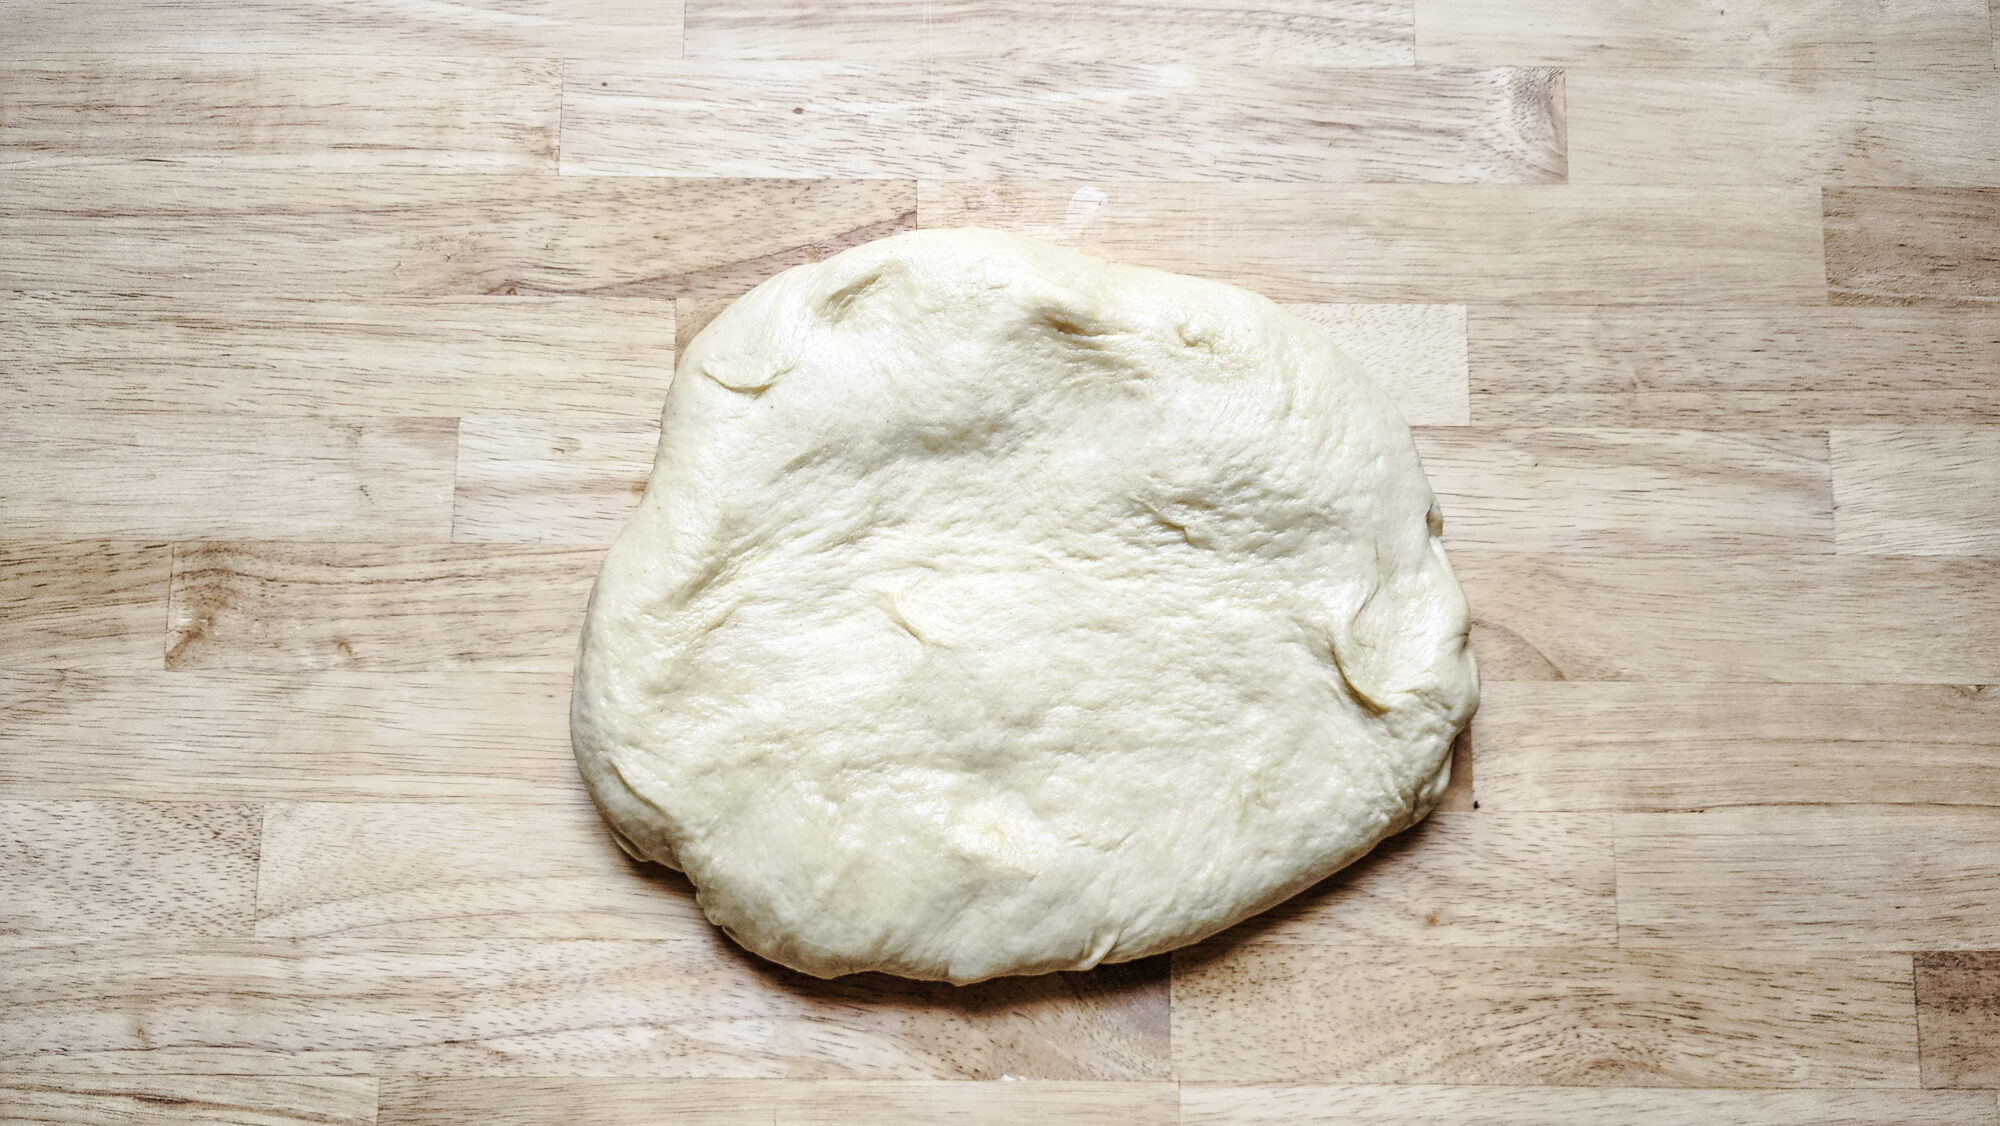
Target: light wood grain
<point x="527" y="480"/>
<point x="1936" y="125"/>
<point x="1917" y="492"/>
<point x="410" y="870"/>
<point x="1786" y="368"/>
<point x="1417" y="352"/>
<point x="1123" y="121"/>
<point x="559" y="357"/>
<point x="1340" y="32"/>
<point x="790" y="1102"/>
<point x="1630" y="490"/>
<point x="1217" y="1104"/>
<point x="287" y="114"/>
<point x="1461" y="879"/>
<point x="1905" y="879"/>
<point x="692" y="314"/>
<point x="1801" y="618"/>
<point x="1428" y="242"/>
<point x="1570" y="1017"/>
<point x="322" y="390"/>
<point x="1806" y="34"/>
<point x="532" y="28"/>
<point x="404" y="607"/>
<point x="158" y="474"/>
<point x="1958" y="1015"/>
<point x="1913" y="246"/>
<point x="1570" y="745"/>
<point x="257" y="234"/>
<point x="70" y="604"/>
<point x="267" y="733"/>
<point x="172" y="1100"/>
<point x="676" y="1008"/>
<point x="88" y="869"/>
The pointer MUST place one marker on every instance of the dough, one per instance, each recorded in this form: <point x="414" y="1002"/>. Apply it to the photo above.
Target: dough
<point x="993" y="609"/>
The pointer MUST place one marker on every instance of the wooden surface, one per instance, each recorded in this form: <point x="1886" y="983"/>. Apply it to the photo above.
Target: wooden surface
<point x="332" y="339"/>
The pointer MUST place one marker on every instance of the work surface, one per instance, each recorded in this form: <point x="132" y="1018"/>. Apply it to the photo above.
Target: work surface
<point x="329" y="362"/>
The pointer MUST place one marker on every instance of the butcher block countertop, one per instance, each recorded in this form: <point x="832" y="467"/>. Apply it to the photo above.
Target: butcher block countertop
<point x="332" y="339"/>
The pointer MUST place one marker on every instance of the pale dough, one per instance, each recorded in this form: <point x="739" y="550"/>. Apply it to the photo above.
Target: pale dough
<point x="993" y="609"/>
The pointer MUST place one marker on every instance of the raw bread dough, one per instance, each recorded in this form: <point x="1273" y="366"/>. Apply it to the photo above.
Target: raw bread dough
<point x="993" y="609"/>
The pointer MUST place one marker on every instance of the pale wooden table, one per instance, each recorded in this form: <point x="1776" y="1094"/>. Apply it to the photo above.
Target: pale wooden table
<point x="328" y="365"/>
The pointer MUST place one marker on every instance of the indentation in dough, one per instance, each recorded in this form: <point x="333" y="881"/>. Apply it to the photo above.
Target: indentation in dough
<point x="1179" y="527"/>
<point x="1076" y="327"/>
<point x="962" y="436"/>
<point x="701" y="580"/>
<point x="751" y="385"/>
<point x="840" y="302"/>
<point x="1195" y="336"/>
<point x="896" y="615"/>
<point x="1368" y="703"/>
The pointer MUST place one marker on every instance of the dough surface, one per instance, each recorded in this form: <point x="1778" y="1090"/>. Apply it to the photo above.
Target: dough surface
<point x="993" y="609"/>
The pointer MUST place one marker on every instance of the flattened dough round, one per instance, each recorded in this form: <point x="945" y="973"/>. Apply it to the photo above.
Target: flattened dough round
<point x="993" y="609"/>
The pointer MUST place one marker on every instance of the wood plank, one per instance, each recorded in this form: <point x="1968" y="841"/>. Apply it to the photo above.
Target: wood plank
<point x="1913" y="246"/>
<point x="1906" y="879"/>
<point x="1936" y="125"/>
<point x="91" y="869"/>
<point x="407" y="870"/>
<point x="1630" y="490"/>
<point x="1218" y="1104"/>
<point x="256" y="234"/>
<point x="290" y="114"/>
<point x="1337" y="33"/>
<point x="1799" y="618"/>
<point x="440" y="357"/>
<point x="1417" y="352"/>
<point x="1917" y="492"/>
<point x="251" y="1100"/>
<point x="1461" y="879"/>
<point x="1571" y="1018"/>
<point x="1806" y="34"/>
<point x="783" y="1102"/>
<point x="265" y="734"/>
<point x="72" y="475"/>
<point x="262" y="606"/>
<point x="1429" y="242"/>
<point x="692" y="314"/>
<point x="1666" y="746"/>
<point x="837" y="1103"/>
<point x="533" y="28"/>
<point x="533" y="1007"/>
<point x="1733" y="367"/>
<point x="982" y="117"/>
<point x="533" y="480"/>
<point x="66" y="605"/>
<point x="1958" y="1018"/>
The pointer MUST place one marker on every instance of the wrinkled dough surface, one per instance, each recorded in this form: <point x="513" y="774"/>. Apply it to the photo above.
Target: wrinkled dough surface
<point x="994" y="609"/>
